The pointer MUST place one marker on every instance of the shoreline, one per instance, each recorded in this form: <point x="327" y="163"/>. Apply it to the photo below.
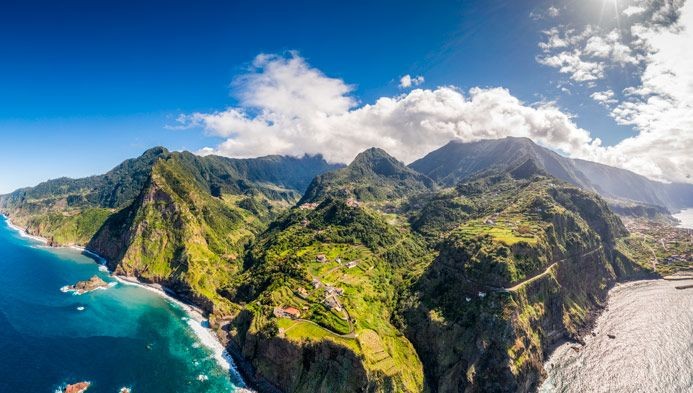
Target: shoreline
<point x="585" y="333"/>
<point x="196" y="319"/>
<point x="614" y="333"/>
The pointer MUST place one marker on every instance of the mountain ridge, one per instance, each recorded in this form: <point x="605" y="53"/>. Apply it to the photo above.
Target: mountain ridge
<point x="372" y="278"/>
<point x="457" y="161"/>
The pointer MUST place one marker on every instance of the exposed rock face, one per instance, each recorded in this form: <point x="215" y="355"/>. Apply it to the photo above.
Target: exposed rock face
<point x="78" y="387"/>
<point x="435" y="311"/>
<point x="85" y="286"/>
<point x="321" y="367"/>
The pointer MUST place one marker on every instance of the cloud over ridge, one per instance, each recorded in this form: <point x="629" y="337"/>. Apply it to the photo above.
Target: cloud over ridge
<point x="286" y="106"/>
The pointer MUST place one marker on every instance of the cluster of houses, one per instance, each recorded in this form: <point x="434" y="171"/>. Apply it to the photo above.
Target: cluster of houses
<point x="331" y="294"/>
<point x="308" y="206"/>
<point x="322" y="258"/>
<point x="331" y="300"/>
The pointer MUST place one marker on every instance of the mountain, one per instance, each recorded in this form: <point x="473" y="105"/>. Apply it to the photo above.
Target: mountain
<point x="373" y="175"/>
<point x="369" y="277"/>
<point x="620" y="183"/>
<point x="458" y="161"/>
<point x="168" y="217"/>
<point x="418" y="300"/>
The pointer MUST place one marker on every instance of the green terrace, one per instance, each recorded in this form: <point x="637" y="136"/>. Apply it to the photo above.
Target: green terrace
<point x="347" y="297"/>
<point x="506" y="229"/>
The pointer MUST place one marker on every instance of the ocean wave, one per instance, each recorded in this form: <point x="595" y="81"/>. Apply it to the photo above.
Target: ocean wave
<point x="219" y="353"/>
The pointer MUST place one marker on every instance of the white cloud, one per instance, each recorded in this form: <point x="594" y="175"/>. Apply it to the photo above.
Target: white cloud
<point x="551" y="12"/>
<point x="585" y="56"/>
<point x="407" y="81"/>
<point x="604" y="97"/>
<point x="661" y="106"/>
<point x="570" y="62"/>
<point x="651" y="51"/>
<point x="610" y="47"/>
<point x="633" y="10"/>
<point x="288" y="107"/>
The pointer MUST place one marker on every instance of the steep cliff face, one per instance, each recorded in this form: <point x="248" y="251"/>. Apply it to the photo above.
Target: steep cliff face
<point x="499" y="295"/>
<point x="337" y="268"/>
<point x="178" y="234"/>
<point x="381" y="281"/>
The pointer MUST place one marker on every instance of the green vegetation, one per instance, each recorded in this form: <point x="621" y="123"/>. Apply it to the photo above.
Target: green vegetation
<point x="68" y="228"/>
<point x="376" y="280"/>
<point x="374" y="175"/>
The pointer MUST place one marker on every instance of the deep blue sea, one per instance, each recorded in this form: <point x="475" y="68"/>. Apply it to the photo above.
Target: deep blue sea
<point x="124" y="336"/>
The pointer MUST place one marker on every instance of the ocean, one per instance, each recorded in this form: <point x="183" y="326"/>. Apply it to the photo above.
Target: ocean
<point x="685" y="217"/>
<point x="122" y="336"/>
<point x="652" y="348"/>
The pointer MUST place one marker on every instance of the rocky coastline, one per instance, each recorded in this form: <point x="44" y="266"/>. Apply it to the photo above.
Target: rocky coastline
<point x="201" y="326"/>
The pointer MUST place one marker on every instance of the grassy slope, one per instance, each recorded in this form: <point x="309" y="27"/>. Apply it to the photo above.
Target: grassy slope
<point x="284" y="260"/>
<point x="178" y="233"/>
<point x="470" y="335"/>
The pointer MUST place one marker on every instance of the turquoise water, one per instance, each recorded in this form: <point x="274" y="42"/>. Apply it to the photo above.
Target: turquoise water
<point x="124" y="336"/>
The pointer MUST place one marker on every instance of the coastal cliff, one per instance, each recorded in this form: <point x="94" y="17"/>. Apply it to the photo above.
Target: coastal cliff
<point x="375" y="279"/>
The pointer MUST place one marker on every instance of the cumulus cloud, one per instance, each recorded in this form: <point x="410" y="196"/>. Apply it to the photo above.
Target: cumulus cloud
<point x="572" y="63"/>
<point x="586" y="55"/>
<point x="661" y="106"/>
<point x="604" y="97"/>
<point x="408" y="81"/>
<point x="633" y="10"/>
<point x="285" y="106"/>
<point x="650" y="52"/>
<point x="551" y="12"/>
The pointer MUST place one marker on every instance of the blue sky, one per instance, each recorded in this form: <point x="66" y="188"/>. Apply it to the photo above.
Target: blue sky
<point x="84" y="85"/>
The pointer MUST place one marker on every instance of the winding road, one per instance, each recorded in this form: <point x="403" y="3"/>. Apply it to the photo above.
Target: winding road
<point x="546" y="271"/>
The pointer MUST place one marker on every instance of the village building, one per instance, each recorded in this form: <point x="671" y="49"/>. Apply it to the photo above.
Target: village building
<point x="351" y="202"/>
<point x="302" y="292"/>
<point x="333" y="303"/>
<point x="334" y="290"/>
<point x="286" y="312"/>
<point x="321" y="258"/>
<point x="352" y="264"/>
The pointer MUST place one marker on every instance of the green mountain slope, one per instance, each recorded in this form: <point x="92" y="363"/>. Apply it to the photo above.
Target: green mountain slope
<point x="374" y="175"/>
<point x="529" y="263"/>
<point x="187" y="224"/>
<point x="458" y="161"/>
<point x="373" y="279"/>
<point x="341" y="268"/>
<point x="463" y="288"/>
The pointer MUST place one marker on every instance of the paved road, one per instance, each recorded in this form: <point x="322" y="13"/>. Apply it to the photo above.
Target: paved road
<point x="348" y="335"/>
<point x="544" y="273"/>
